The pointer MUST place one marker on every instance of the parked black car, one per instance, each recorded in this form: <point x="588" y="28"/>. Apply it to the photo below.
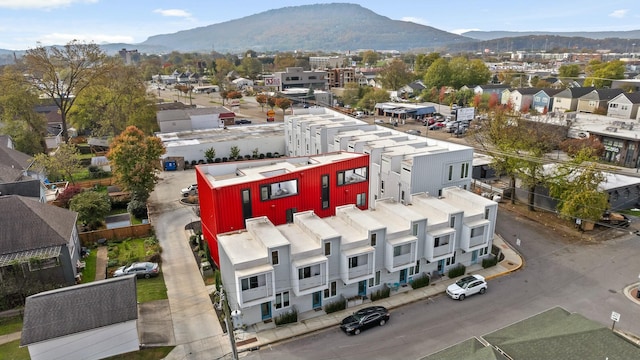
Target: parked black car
<point x="364" y="319"/>
<point x="243" y="121"/>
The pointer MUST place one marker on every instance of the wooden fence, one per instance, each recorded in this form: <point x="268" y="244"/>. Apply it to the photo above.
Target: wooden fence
<point x="85" y="184"/>
<point x="133" y="231"/>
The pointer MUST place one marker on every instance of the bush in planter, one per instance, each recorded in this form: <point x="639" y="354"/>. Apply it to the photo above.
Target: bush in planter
<point x="287" y="317"/>
<point x="334" y="306"/>
<point x="217" y="160"/>
<point x="489" y="261"/>
<point x="457" y="271"/>
<point x="269" y="155"/>
<point x="248" y="157"/>
<point x="187" y="165"/>
<point x="261" y="156"/>
<point x="194" y="163"/>
<point x="200" y="162"/>
<point x="224" y="159"/>
<point x="276" y="155"/>
<point x="385" y="292"/>
<point x="420" y="281"/>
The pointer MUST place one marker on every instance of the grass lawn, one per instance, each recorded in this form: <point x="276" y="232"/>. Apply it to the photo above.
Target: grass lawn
<point x="13" y="351"/>
<point x="89" y="272"/>
<point x="10" y="325"/>
<point x="151" y="289"/>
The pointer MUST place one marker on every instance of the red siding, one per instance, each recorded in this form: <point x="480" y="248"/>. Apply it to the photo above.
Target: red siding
<point x="221" y="207"/>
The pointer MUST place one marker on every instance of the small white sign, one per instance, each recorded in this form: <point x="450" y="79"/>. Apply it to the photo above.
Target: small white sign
<point x="518" y="241"/>
<point x="615" y="316"/>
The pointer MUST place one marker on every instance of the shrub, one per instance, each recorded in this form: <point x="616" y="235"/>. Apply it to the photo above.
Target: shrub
<point x="420" y="281"/>
<point x="334" y="306"/>
<point x="457" y="271"/>
<point x="112" y="263"/>
<point x="383" y="293"/>
<point x="65" y="197"/>
<point x="217" y="160"/>
<point x="489" y="261"/>
<point x="194" y="163"/>
<point x="287" y="317"/>
<point x="137" y="208"/>
<point x="154" y="258"/>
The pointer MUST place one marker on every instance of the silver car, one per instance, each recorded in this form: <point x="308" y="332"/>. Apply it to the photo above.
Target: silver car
<point x="140" y="269"/>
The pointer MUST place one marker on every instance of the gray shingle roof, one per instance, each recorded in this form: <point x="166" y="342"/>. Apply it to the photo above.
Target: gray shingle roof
<point x="78" y="308"/>
<point x="26" y="224"/>
<point x="14" y="158"/>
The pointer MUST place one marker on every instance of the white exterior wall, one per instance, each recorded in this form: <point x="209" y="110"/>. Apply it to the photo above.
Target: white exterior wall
<point x="194" y="149"/>
<point x="620" y="107"/>
<point x="93" y="344"/>
<point x="208" y="121"/>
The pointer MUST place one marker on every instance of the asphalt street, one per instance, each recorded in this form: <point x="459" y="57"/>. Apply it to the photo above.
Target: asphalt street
<point x="578" y="276"/>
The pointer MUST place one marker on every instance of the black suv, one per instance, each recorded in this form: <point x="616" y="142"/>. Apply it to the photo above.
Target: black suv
<point x="364" y="319"/>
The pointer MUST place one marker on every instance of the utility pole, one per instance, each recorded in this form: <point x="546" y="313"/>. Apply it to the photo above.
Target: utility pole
<point x="229" y="322"/>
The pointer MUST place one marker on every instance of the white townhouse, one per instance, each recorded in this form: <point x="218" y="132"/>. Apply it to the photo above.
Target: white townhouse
<point x="268" y="270"/>
<point x="400" y="164"/>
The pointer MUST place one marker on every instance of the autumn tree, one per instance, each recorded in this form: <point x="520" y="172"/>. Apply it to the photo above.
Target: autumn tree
<point x="283" y="103"/>
<point x="114" y="102"/>
<point x="395" y="75"/>
<point x="64" y="198"/>
<point x="61" y="164"/>
<point x="370" y="57"/>
<point x="135" y="161"/>
<point x="62" y="74"/>
<point x="91" y="206"/>
<point x="262" y="100"/>
<point x="186" y="89"/>
<point x="283" y="61"/>
<point x="26" y="127"/>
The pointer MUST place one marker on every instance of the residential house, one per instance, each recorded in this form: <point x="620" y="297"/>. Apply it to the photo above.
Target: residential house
<point x="490" y="89"/>
<point x="368" y="78"/>
<point x="412" y="89"/>
<point x="624" y="106"/>
<point x="89" y="321"/>
<point x="521" y="99"/>
<point x="543" y="100"/>
<point x="18" y="176"/>
<point x="277" y="189"/>
<point x="597" y="100"/>
<point x="567" y="99"/>
<point x="272" y="269"/>
<point x="242" y="83"/>
<point x="39" y="245"/>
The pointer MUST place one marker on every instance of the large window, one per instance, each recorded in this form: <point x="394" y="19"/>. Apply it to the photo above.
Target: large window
<point x="477" y="231"/>
<point x="352" y="176"/>
<point x="309" y="271"/>
<point x="441" y="240"/>
<point x="401" y="249"/>
<point x="361" y="199"/>
<point x="332" y="290"/>
<point x="278" y="190"/>
<point x="282" y="300"/>
<point x="374" y="239"/>
<point x="357" y="261"/>
<point x="275" y="258"/>
<point x="253" y="282"/>
<point x="327" y="248"/>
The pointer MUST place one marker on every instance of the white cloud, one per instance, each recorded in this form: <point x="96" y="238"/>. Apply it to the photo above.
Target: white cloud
<point x="173" y="12"/>
<point x="61" y="38"/>
<point x="619" y="13"/>
<point x="461" y="31"/>
<point x="39" y="4"/>
<point x="415" y="20"/>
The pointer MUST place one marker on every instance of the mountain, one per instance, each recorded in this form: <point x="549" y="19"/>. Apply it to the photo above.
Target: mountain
<point x="550" y="43"/>
<point x="492" y="35"/>
<point x="319" y="27"/>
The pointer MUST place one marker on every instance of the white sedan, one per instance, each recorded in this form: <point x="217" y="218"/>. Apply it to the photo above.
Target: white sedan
<point x="468" y="285"/>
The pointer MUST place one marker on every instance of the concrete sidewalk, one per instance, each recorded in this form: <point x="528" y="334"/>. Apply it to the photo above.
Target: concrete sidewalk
<point x="263" y="334"/>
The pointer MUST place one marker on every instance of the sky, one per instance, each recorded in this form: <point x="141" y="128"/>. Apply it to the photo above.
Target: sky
<point x="25" y="24"/>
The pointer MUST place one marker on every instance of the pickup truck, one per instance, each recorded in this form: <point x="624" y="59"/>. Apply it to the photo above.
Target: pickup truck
<point x="190" y="190"/>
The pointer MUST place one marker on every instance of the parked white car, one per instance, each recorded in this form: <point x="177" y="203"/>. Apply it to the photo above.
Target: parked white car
<point x="468" y="285"/>
<point x="190" y="190"/>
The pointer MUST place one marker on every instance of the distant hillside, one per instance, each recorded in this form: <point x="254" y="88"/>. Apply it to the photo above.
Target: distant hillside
<point x="548" y="43"/>
<point x="491" y="35"/>
<point x="320" y="27"/>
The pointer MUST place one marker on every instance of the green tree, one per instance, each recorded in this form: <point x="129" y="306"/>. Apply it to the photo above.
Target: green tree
<point x="438" y="74"/>
<point x="370" y="57"/>
<point x="135" y="161"/>
<point x="423" y="62"/>
<point x="601" y="74"/>
<point x="61" y="164"/>
<point x="569" y="71"/>
<point x="234" y="152"/>
<point x="210" y="154"/>
<point x="371" y="98"/>
<point x="350" y="95"/>
<point x="91" y="206"/>
<point x="62" y="74"/>
<point x="250" y="67"/>
<point x="395" y="75"/>
<point x="26" y="127"/>
<point x="113" y="102"/>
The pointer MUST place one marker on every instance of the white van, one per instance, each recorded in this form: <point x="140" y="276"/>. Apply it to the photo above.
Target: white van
<point x="359" y="114"/>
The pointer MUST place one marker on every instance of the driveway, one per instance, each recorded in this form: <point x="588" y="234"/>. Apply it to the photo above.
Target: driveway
<point x="196" y="328"/>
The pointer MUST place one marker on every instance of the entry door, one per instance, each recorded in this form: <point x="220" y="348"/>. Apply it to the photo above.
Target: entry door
<point x="474" y="256"/>
<point x="362" y="288"/>
<point x="325" y="191"/>
<point x="403" y="276"/>
<point x="316" y="299"/>
<point x="265" y="309"/>
<point x="441" y="267"/>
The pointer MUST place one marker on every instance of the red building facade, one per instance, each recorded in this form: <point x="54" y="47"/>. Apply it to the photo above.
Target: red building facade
<point x="231" y="192"/>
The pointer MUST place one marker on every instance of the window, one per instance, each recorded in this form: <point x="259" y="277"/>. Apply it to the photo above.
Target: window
<point x="402" y="196"/>
<point x="371" y="282"/>
<point x="278" y="190"/>
<point x="352" y="175"/>
<point x="361" y="199"/>
<point x="486" y="214"/>
<point x="452" y="222"/>
<point x="378" y="277"/>
<point x="450" y="172"/>
<point x="374" y="238"/>
<point x="331" y="291"/>
<point x="401" y="249"/>
<point x="382" y="187"/>
<point x="309" y="271"/>
<point x="353" y="262"/>
<point x="477" y="231"/>
<point x="414" y="230"/>
<point x="253" y="282"/>
<point x="282" y="300"/>
<point x="275" y="258"/>
<point x="441" y="241"/>
<point x="327" y="248"/>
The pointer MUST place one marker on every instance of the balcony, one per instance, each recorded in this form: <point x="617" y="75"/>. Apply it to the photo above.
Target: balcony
<point x="357" y="264"/>
<point x="475" y="235"/>
<point x="400" y="252"/>
<point x="255" y="285"/>
<point x="310" y="275"/>
<point x="440" y="244"/>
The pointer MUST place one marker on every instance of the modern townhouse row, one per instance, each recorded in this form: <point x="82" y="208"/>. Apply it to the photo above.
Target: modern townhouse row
<point x="271" y="269"/>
